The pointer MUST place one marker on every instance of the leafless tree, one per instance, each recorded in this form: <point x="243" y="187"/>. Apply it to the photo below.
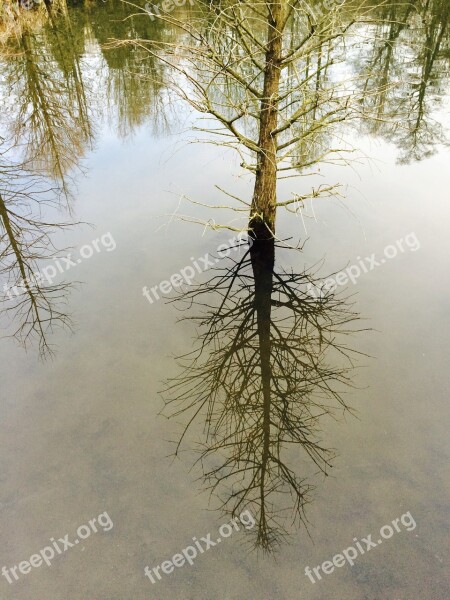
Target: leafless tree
<point x="264" y="75"/>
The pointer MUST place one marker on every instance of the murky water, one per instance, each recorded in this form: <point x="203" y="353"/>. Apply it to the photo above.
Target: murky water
<point x="82" y="433"/>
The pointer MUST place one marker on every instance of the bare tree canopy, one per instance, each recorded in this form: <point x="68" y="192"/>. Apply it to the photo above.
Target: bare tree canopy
<point x="273" y="81"/>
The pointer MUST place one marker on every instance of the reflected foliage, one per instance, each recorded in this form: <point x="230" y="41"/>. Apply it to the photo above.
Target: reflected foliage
<point x="50" y="111"/>
<point x="408" y="65"/>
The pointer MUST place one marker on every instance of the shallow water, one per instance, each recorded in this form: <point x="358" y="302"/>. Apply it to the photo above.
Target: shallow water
<point x="81" y="433"/>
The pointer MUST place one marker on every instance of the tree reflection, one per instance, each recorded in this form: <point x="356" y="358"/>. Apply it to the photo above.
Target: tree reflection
<point x="50" y="114"/>
<point x="402" y="69"/>
<point x="133" y="82"/>
<point x="270" y="363"/>
<point x="34" y="307"/>
<point x="406" y="76"/>
<point x="49" y="118"/>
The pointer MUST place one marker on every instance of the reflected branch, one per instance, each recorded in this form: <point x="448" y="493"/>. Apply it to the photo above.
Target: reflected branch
<point x="35" y="308"/>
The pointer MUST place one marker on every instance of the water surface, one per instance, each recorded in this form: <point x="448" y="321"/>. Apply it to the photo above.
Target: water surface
<point x="81" y="433"/>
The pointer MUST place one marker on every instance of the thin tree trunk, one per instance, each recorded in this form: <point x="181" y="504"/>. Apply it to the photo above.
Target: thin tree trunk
<point x="262" y="218"/>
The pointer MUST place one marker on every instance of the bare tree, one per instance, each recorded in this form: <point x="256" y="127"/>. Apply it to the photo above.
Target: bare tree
<point x="275" y="79"/>
<point x="264" y="75"/>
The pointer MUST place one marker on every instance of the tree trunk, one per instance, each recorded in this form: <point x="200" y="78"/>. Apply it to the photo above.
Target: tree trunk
<point x="262" y="218"/>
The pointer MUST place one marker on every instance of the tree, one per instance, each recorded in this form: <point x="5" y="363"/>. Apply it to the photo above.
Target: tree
<point x="268" y="78"/>
<point x="261" y="70"/>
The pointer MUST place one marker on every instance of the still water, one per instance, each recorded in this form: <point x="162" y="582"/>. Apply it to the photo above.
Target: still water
<point x="84" y="431"/>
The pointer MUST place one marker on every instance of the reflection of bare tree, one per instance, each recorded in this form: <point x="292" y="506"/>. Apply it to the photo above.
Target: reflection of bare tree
<point x="67" y="46"/>
<point x="133" y="83"/>
<point x="408" y="68"/>
<point x="50" y="107"/>
<point x="424" y="132"/>
<point x="260" y="379"/>
<point x="34" y="307"/>
<point x="134" y="96"/>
